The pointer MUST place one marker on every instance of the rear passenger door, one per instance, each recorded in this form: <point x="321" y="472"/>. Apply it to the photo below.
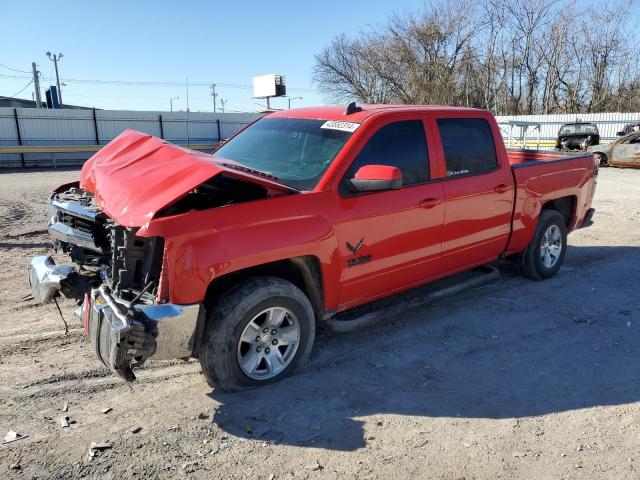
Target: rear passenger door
<point x="479" y="193"/>
<point x="389" y="240"/>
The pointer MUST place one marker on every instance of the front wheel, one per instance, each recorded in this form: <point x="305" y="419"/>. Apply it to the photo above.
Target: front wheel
<point x="259" y="332"/>
<point x="545" y="254"/>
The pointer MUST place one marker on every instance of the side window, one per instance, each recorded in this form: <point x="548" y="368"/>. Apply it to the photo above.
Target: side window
<point x="400" y="144"/>
<point x="468" y="145"/>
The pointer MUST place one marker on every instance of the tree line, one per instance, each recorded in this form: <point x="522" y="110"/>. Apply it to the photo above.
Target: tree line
<point x="508" y="56"/>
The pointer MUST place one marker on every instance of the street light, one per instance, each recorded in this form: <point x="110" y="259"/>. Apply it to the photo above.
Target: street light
<point x="293" y="98"/>
<point x="171" y="102"/>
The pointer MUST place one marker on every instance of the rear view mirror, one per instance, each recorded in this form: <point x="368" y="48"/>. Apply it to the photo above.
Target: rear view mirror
<point x="372" y="178"/>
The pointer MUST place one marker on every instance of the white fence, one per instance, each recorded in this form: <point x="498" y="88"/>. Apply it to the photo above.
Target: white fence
<point x="66" y="127"/>
<point x="608" y="124"/>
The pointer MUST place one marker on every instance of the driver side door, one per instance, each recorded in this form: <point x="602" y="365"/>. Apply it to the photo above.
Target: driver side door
<point x="390" y="240"/>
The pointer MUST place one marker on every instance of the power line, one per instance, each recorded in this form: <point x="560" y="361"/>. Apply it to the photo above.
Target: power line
<point x="13" y="69"/>
<point x="150" y="83"/>
<point x="25" y="87"/>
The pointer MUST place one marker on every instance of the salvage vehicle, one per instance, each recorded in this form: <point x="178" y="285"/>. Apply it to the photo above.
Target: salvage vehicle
<point x="623" y="152"/>
<point x="234" y="258"/>
<point x="577" y="136"/>
<point x="629" y="128"/>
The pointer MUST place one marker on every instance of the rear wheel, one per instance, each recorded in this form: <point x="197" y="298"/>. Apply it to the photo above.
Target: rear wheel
<point x="259" y="332"/>
<point x="545" y="254"/>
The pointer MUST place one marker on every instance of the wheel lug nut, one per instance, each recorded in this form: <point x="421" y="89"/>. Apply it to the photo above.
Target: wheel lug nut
<point x="274" y="331"/>
<point x="267" y="350"/>
<point x="275" y="342"/>
<point x="259" y="349"/>
<point x="257" y="339"/>
<point x="265" y="330"/>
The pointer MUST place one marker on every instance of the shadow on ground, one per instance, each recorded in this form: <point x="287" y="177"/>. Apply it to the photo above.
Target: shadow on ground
<point x="516" y="349"/>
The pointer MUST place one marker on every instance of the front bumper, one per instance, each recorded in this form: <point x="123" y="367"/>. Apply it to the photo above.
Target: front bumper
<point x="125" y="336"/>
<point x="45" y="277"/>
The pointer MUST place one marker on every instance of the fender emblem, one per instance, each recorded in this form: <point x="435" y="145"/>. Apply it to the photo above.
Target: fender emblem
<point x="357" y="248"/>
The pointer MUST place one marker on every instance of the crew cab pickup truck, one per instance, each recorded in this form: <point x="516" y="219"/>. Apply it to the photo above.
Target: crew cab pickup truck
<point x="234" y="258"/>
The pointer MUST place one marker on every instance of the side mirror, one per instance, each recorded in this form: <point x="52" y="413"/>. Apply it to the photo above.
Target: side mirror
<point x="620" y="134"/>
<point x="371" y="178"/>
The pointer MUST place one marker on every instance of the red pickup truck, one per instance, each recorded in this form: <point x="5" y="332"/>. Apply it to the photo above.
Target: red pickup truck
<point x="233" y="258"/>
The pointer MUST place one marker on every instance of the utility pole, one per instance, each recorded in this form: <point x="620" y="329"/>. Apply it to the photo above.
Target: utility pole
<point x="55" y="61"/>
<point x="36" y="84"/>
<point x="222" y="102"/>
<point x="214" y="95"/>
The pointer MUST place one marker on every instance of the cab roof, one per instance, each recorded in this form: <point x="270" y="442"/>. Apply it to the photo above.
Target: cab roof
<point x="338" y="112"/>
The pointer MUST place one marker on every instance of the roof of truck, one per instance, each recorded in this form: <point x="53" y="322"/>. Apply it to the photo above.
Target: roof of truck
<point x="338" y="112"/>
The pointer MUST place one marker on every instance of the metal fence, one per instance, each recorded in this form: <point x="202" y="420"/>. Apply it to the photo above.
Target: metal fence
<point x="608" y="124"/>
<point x="42" y="127"/>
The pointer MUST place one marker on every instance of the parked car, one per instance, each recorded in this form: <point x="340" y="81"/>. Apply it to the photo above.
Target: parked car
<point x="233" y="258"/>
<point x="577" y="136"/>
<point x="623" y="152"/>
<point x="629" y="128"/>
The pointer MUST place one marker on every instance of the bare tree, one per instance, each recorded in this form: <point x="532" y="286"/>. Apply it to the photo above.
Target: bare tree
<point x="509" y="56"/>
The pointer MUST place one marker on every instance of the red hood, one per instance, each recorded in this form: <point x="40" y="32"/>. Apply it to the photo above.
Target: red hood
<point x="136" y="175"/>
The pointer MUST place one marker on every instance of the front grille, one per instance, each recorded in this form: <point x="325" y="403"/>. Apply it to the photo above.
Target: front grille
<point x="77" y="223"/>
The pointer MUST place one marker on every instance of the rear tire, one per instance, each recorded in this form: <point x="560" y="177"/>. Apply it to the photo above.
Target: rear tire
<point x="545" y="254"/>
<point x="259" y="332"/>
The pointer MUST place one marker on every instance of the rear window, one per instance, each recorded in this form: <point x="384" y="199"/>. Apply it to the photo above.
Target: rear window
<point x="468" y="146"/>
<point x="579" y="129"/>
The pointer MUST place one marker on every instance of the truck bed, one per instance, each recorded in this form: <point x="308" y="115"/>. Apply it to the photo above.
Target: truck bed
<point x="542" y="176"/>
<point x="535" y="157"/>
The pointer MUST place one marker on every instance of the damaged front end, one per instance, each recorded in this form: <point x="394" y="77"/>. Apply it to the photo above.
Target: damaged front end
<point x="116" y="278"/>
<point x="119" y="273"/>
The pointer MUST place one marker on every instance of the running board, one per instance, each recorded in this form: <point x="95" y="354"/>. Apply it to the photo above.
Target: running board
<point x="483" y="275"/>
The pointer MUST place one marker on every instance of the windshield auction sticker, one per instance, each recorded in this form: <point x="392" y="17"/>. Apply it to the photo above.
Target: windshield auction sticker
<point x="343" y="126"/>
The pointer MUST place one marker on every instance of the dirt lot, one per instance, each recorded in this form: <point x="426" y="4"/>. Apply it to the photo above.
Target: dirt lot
<point x="516" y="380"/>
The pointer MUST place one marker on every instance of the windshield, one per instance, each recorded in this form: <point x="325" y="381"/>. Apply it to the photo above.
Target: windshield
<point x="297" y="151"/>
<point x="579" y="129"/>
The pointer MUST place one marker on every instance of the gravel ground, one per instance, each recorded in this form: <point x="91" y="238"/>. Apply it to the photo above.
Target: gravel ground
<point x="519" y="379"/>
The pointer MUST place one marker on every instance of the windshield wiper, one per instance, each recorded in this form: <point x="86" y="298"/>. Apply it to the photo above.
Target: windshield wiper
<point x="252" y="171"/>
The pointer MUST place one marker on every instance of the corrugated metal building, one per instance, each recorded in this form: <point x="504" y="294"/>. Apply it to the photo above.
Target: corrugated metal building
<point x="98" y="127"/>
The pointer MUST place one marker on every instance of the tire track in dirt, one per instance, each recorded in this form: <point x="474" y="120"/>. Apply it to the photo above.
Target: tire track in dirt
<point x="97" y="380"/>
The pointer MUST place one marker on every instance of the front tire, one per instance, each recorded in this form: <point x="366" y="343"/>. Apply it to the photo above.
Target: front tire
<point x="259" y="332"/>
<point x="545" y="254"/>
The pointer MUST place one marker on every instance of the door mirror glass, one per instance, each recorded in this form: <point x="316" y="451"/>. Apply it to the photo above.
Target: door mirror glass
<point x="370" y="178"/>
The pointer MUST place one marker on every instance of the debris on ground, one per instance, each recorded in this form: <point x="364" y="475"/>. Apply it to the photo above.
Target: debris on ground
<point x="12" y="436"/>
<point x="135" y="429"/>
<point x="314" y="466"/>
<point x="95" y="447"/>
<point x="65" y="407"/>
<point x="65" y="422"/>
<point x="106" y="410"/>
<point x="15" y="466"/>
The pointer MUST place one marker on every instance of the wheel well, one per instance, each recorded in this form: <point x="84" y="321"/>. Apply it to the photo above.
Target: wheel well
<point x="565" y="206"/>
<point x="304" y="272"/>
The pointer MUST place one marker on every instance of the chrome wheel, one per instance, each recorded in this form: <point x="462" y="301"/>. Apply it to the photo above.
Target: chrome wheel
<point x="268" y="343"/>
<point x="551" y="246"/>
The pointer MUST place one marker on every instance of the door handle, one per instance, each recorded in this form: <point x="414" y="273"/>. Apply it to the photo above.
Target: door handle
<point x="429" y="202"/>
<point x="503" y="187"/>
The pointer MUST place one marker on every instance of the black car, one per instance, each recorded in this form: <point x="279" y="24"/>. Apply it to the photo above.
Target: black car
<point x="629" y="128"/>
<point x="577" y="136"/>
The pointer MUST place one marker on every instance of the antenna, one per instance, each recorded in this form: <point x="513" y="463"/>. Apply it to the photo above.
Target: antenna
<point x="352" y="108"/>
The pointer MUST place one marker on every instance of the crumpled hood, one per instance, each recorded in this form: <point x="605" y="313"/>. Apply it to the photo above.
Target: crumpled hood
<point x="136" y="175"/>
